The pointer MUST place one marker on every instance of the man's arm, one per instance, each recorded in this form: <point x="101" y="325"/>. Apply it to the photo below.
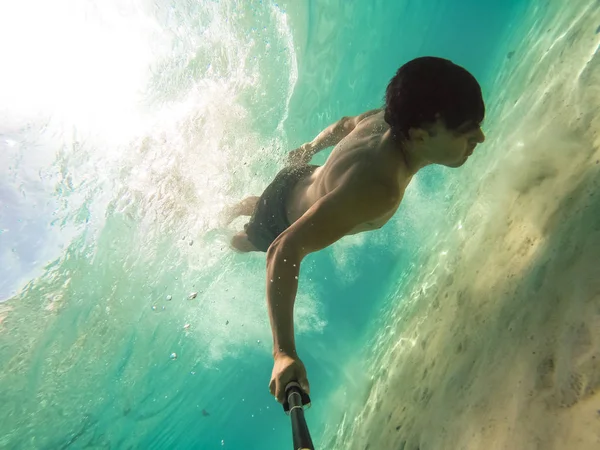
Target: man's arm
<point x="327" y="221"/>
<point x="333" y="134"/>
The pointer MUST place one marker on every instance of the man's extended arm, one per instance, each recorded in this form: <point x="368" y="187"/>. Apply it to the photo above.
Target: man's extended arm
<point x="327" y="221"/>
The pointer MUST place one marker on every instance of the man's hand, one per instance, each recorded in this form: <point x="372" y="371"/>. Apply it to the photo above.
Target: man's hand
<point x="301" y="155"/>
<point x="285" y="370"/>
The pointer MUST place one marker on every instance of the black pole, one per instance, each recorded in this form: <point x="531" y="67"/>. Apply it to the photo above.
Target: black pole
<point x="295" y="402"/>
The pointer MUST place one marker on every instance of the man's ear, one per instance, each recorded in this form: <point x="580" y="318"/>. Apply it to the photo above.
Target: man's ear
<point x="417" y="134"/>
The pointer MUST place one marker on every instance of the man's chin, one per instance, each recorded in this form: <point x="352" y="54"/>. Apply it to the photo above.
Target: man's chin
<point x="458" y="164"/>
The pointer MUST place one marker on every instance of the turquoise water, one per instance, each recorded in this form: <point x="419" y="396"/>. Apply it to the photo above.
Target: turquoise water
<point x="127" y="126"/>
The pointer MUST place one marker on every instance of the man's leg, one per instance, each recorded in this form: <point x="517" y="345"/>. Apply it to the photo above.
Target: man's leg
<point x="243" y="208"/>
<point x="240" y="243"/>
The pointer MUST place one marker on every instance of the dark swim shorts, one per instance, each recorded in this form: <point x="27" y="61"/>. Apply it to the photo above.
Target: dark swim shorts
<point x="269" y="218"/>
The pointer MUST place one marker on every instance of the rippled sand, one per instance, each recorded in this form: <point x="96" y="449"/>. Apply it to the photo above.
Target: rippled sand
<point x="499" y="347"/>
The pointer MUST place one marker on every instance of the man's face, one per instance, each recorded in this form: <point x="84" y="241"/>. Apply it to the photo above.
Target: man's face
<point x="451" y="148"/>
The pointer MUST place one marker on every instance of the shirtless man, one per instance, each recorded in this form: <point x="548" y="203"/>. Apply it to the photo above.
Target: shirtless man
<point x="432" y="115"/>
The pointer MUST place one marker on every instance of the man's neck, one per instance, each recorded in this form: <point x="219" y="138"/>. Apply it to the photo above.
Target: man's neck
<point x="409" y="153"/>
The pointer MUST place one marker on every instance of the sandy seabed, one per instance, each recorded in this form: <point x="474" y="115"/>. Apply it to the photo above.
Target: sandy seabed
<point x="498" y="345"/>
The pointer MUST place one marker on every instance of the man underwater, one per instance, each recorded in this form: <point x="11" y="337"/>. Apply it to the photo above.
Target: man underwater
<point x="432" y="115"/>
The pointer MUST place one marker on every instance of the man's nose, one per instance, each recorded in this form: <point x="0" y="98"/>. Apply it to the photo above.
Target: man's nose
<point x="480" y="137"/>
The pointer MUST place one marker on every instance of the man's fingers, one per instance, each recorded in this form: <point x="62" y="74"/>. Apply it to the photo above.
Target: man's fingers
<point x="277" y="390"/>
<point x="281" y="385"/>
<point x="272" y="386"/>
<point x="304" y="385"/>
<point x="281" y="391"/>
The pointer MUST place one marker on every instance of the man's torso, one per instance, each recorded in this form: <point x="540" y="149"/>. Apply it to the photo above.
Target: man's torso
<point x="364" y="150"/>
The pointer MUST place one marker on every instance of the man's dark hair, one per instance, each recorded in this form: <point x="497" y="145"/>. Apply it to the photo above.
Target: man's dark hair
<point x="427" y="87"/>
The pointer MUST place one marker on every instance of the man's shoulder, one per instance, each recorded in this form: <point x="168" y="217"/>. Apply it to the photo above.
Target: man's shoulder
<point x="366" y="118"/>
<point x="369" y="113"/>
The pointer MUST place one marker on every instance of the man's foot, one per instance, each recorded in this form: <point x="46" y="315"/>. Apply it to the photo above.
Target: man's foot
<point x="241" y="244"/>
